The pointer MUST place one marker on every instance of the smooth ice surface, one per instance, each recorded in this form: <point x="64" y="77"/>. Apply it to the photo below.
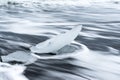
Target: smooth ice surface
<point x="19" y="56"/>
<point x="54" y="44"/>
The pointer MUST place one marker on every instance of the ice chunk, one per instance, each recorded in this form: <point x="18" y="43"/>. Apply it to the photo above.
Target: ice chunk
<point x="20" y="56"/>
<point x="54" y="44"/>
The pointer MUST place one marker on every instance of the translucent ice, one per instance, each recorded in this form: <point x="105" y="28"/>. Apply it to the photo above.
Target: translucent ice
<point x="54" y="44"/>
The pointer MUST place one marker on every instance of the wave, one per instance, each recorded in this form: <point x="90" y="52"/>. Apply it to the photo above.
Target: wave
<point x="48" y="2"/>
<point x="10" y="72"/>
<point x="62" y="4"/>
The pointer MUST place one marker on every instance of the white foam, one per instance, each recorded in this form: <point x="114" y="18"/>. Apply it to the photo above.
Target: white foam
<point x="11" y="72"/>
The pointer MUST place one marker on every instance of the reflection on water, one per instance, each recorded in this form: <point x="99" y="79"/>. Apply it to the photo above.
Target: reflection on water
<point x="94" y="55"/>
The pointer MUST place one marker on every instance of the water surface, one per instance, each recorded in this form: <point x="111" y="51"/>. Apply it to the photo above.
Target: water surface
<point x="94" y="55"/>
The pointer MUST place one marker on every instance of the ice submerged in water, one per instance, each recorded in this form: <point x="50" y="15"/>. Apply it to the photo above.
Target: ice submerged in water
<point x="49" y="46"/>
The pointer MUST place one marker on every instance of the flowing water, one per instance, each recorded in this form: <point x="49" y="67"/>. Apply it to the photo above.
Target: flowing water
<point x="94" y="55"/>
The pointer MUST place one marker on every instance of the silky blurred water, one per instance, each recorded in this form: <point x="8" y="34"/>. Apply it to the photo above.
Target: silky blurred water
<point x="94" y="55"/>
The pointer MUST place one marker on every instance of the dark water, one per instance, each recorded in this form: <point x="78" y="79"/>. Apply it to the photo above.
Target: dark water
<point x="94" y="55"/>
